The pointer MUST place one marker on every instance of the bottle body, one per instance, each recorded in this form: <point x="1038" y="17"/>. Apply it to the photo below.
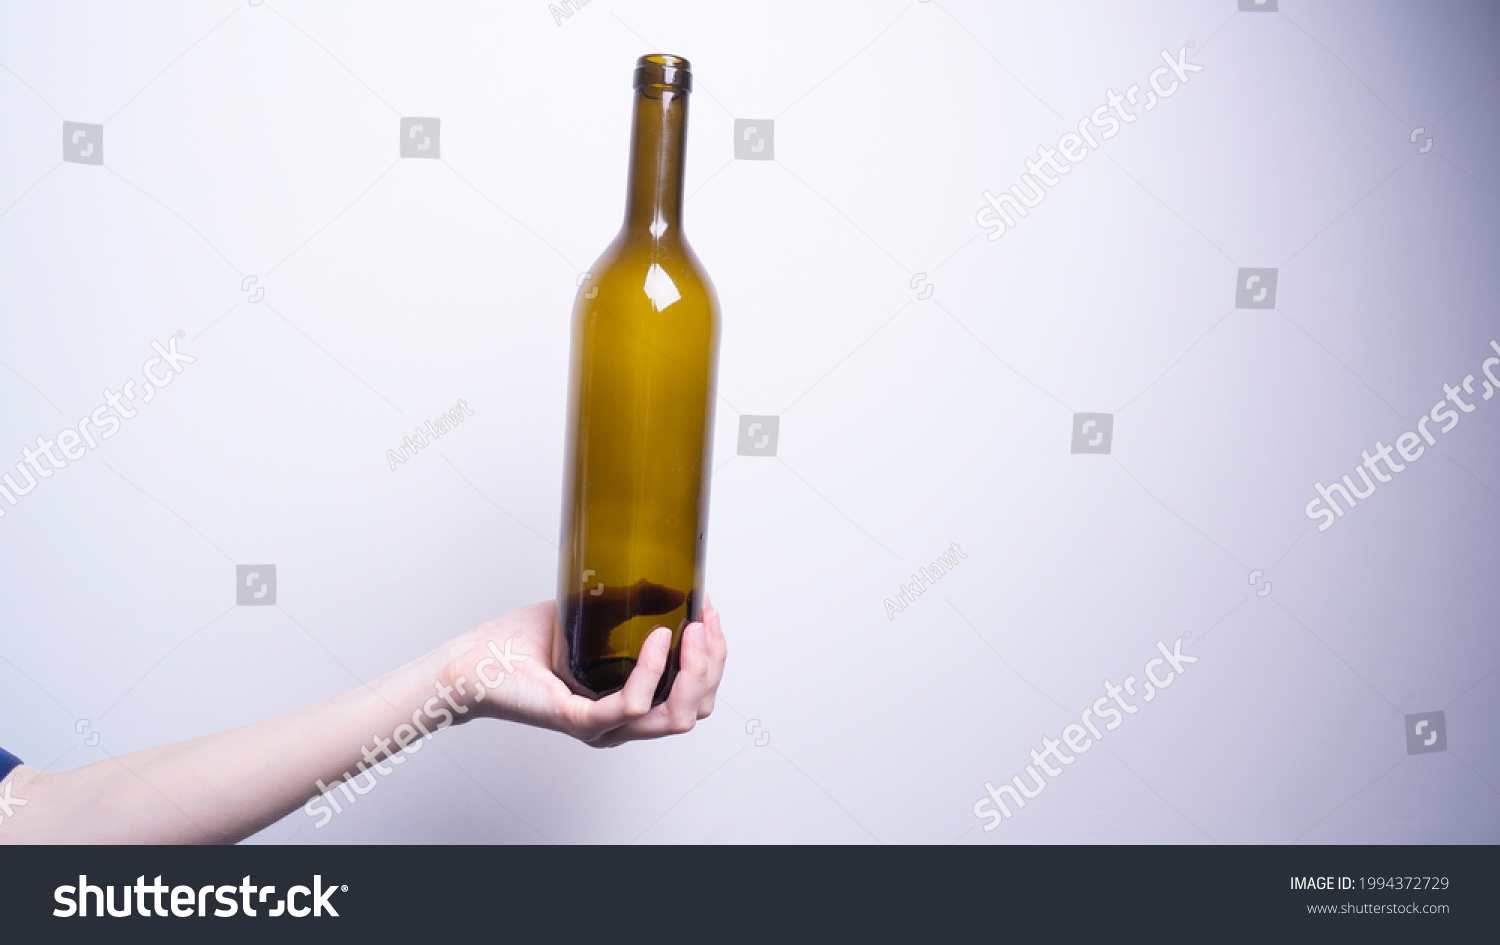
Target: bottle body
<point x="639" y="436"/>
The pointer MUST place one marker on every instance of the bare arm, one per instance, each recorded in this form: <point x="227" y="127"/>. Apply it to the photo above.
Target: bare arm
<point x="222" y="788"/>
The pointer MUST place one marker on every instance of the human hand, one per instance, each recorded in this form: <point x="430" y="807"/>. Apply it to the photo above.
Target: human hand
<point x="528" y="691"/>
<point x="218" y="788"/>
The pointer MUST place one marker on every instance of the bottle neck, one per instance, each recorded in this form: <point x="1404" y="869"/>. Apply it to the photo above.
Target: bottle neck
<point x="658" y="140"/>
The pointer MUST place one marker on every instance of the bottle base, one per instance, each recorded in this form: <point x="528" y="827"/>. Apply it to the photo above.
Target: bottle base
<point x="605" y="677"/>
<point x="592" y="618"/>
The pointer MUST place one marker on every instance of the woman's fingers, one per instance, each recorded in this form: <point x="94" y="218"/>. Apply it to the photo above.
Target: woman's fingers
<point x="643" y="680"/>
<point x="691" y="685"/>
<point x="681" y="710"/>
<point x="590" y="719"/>
<point x="718" y="652"/>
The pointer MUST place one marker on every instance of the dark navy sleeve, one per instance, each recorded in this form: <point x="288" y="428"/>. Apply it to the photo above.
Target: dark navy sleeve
<point x="8" y="763"/>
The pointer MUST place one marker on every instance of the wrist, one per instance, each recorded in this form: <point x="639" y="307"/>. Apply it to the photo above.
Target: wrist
<point x="448" y="675"/>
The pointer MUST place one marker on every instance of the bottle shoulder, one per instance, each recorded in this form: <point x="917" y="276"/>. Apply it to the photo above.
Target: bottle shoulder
<point x="665" y="275"/>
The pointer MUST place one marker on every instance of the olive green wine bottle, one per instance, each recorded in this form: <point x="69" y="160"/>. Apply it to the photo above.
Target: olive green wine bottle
<point x="641" y="390"/>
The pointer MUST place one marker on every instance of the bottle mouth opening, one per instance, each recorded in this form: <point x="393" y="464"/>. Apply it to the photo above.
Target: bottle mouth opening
<point x="663" y="71"/>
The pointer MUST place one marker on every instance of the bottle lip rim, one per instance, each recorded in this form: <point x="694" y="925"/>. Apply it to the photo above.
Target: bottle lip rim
<point x="663" y="70"/>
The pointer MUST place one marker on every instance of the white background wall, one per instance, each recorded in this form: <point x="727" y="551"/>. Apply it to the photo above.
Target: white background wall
<point x="262" y="139"/>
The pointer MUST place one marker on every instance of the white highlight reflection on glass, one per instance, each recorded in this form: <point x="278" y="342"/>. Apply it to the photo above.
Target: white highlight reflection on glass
<point x="660" y="288"/>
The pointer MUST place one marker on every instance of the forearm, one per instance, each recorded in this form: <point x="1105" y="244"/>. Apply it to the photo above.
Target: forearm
<point x="222" y="788"/>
